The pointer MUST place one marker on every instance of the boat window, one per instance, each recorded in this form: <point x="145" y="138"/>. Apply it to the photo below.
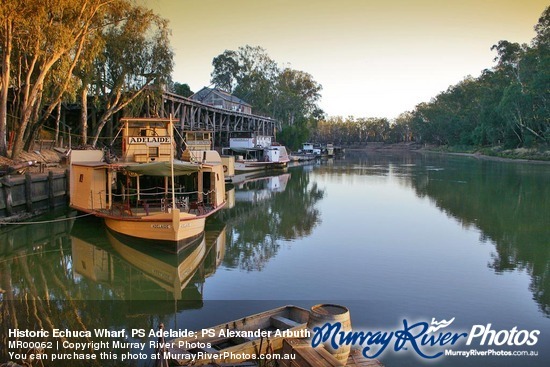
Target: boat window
<point x="143" y="132"/>
<point x="153" y="151"/>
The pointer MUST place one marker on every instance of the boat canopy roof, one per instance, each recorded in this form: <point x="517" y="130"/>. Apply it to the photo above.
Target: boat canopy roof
<point x="164" y="168"/>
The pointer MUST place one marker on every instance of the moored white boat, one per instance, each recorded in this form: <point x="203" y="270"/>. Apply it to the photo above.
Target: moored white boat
<point x="254" y="152"/>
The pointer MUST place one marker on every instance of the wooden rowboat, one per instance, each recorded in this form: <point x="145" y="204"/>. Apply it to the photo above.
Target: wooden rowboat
<point x="238" y="340"/>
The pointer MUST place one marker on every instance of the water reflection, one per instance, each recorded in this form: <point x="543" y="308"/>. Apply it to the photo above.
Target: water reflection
<point x="506" y="201"/>
<point x="380" y="251"/>
<point x="73" y="274"/>
<point x="80" y="260"/>
<point x="268" y="209"/>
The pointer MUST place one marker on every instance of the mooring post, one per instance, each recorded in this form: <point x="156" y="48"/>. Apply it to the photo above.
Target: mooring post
<point x="28" y="192"/>
<point x="6" y="184"/>
<point x="51" y="193"/>
<point x="67" y="186"/>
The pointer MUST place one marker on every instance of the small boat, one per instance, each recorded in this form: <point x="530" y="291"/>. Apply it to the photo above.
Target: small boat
<point x="254" y="152"/>
<point x="308" y="152"/>
<point x="225" y="344"/>
<point x="149" y="194"/>
<point x="328" y="150"/>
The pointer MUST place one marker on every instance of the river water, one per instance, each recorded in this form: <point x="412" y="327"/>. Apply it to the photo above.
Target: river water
<point x="400" y="239"/>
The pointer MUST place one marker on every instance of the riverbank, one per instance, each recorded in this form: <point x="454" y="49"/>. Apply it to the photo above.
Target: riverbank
<point x="494" y="153"/>
<point x="498" y="153"/>
<point x="38" y="161"/>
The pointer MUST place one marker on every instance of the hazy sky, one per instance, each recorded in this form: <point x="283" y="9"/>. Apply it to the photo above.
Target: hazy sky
<point x="374" y="58"/>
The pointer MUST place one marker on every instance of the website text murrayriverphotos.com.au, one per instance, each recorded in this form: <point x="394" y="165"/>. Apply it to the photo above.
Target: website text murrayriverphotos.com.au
<point x="424" y="340"/>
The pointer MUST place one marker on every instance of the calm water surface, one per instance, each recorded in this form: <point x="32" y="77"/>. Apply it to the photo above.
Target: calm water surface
<point x="393" y="237"/>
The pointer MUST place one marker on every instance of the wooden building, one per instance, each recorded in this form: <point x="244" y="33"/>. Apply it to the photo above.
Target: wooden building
<point x="221" y="99"/>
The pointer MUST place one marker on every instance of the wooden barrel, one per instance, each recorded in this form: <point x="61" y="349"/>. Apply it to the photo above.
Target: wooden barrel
<point x="321" y="314"/>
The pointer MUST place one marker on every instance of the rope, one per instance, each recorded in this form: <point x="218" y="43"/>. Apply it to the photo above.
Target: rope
<point x="48" y="221"/>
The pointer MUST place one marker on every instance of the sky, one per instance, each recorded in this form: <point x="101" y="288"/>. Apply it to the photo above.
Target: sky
<point x="373" y="58"/>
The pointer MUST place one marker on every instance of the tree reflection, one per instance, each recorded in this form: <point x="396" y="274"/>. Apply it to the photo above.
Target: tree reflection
<point x="53" y="276"/>
<point x="256" y="226"/>
<point x="507" y="203"/>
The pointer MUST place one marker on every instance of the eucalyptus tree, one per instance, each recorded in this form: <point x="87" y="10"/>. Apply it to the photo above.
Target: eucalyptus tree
<point x="539" y="83"/>
<point x="288" y="95"/>
<point x="136" y="56"/>
<point x="226" y="69"/>
<point x="524" y="104"/>
<point x="248" y="73"/>
<point x="400" y="129"/>
<point x="296" y="105"/>
<point x="297" y="96"/>
<point x="50" y="51"/>
<point x="42" y="42"/>
<point x="182" y="89"/>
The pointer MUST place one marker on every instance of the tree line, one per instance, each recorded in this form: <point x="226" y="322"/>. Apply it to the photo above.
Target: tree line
<point x="507" y="105"/>
<point x="101" y="55"/>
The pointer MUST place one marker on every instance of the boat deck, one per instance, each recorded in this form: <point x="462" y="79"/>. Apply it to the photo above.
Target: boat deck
<point x="148" y="208"/>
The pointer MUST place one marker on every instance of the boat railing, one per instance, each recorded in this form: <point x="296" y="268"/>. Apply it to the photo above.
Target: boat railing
<point x="195" y="202"/>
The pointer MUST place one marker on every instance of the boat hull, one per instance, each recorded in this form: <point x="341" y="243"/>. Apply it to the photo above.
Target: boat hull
<point x="244" y="166"/>
<point x="159" y="228"/>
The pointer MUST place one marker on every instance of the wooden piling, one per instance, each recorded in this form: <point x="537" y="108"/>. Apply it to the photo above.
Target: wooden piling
<point x="51" y="193"/>
<point x="8" y="200"/>
<point x="28" y="192"/>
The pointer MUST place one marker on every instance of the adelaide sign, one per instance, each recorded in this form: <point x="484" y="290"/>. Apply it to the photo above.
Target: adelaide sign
<point x="149" y="140"/>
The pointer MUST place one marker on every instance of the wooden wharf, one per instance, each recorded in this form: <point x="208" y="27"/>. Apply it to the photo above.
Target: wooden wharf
<point x="193" y="115"/>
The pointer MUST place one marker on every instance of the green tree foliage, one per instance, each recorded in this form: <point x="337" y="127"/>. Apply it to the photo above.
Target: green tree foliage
<point x="297" y="95"/>
<point x="182" y="89"/>
<point x="288" y="95"/>
<point x="248" y="73"/>
<point x="353" y="130"/>
<point x="226" y="70"/>
<point x="507" y="105"/>
<point x="136" y="55"/>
